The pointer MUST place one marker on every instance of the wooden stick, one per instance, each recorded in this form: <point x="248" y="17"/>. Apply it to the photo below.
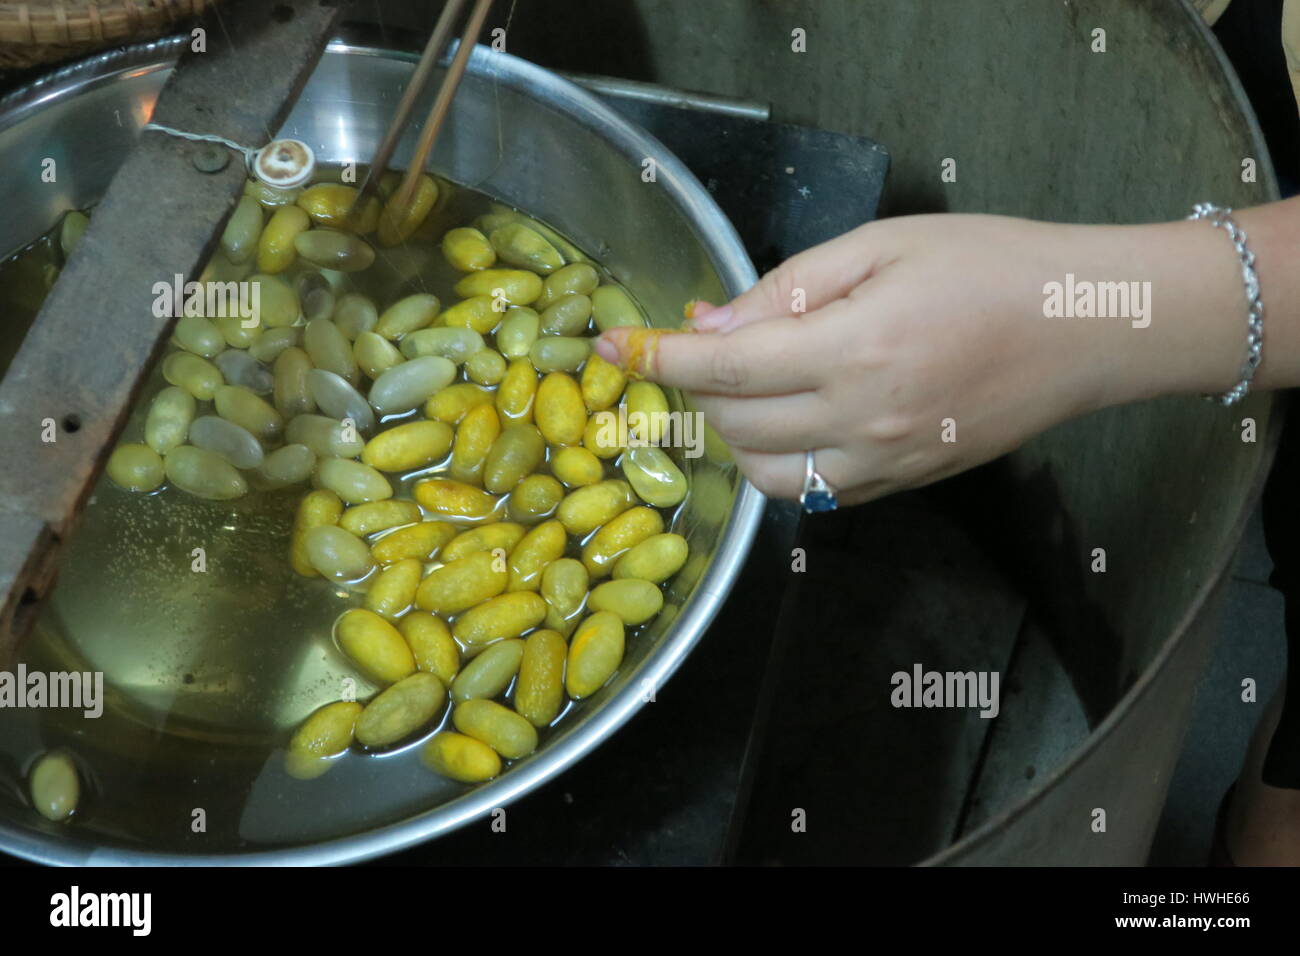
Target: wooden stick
<point x="88" y="391"/>
<point x="419" y="79"/>
<point x="441" y="105"/>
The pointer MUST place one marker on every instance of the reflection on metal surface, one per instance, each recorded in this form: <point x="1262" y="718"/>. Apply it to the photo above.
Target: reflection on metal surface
<point x="667" y="96"/>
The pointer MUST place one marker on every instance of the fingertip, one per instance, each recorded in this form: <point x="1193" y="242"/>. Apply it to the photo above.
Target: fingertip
<point x="606" y="350"/>
<point x="609" y="345"/>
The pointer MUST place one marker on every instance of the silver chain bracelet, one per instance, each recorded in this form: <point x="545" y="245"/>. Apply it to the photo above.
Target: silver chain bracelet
<point x="1221" y="218"/>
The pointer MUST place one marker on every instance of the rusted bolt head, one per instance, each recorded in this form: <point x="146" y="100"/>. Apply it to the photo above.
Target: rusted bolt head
<point x="210" y="158"/>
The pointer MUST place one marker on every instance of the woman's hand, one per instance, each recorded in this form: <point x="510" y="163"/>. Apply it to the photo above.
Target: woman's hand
<point x="914" y="348"/>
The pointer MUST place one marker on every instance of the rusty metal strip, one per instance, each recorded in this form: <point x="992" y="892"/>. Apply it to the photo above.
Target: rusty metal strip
<point x="86" y="356"/>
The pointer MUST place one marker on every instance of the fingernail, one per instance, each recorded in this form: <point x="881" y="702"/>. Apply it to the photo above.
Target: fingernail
<point x="607" y="350"/>
<point x="713" y="319"/>
<point x="697" y="307"/>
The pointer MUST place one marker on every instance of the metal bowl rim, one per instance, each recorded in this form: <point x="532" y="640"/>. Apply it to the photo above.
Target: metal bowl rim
<point x="736" y="273"/>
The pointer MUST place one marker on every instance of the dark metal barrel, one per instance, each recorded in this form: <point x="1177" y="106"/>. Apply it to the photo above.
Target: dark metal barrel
<point x="1042" y="122"/>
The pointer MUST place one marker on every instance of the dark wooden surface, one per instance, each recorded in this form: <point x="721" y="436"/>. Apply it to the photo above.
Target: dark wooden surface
<point x="86" y="355"/>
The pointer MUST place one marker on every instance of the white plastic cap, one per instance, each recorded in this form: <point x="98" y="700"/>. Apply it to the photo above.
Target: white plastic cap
<point x="284" y="163"/>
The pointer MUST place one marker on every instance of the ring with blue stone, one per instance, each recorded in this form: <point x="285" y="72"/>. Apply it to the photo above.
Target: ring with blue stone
<point x="818" y="495"/>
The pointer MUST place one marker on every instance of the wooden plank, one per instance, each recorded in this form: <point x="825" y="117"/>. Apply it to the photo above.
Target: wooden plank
<point x="86" y="356"/>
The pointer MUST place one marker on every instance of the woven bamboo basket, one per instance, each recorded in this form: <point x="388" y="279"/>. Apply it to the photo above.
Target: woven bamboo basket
<point x="45" y="31"/>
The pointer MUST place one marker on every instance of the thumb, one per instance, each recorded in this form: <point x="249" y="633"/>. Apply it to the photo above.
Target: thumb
<point x="803" y="283"/>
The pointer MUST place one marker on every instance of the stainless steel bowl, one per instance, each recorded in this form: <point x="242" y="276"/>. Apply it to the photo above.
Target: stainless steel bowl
<point x="528" y="138"/>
